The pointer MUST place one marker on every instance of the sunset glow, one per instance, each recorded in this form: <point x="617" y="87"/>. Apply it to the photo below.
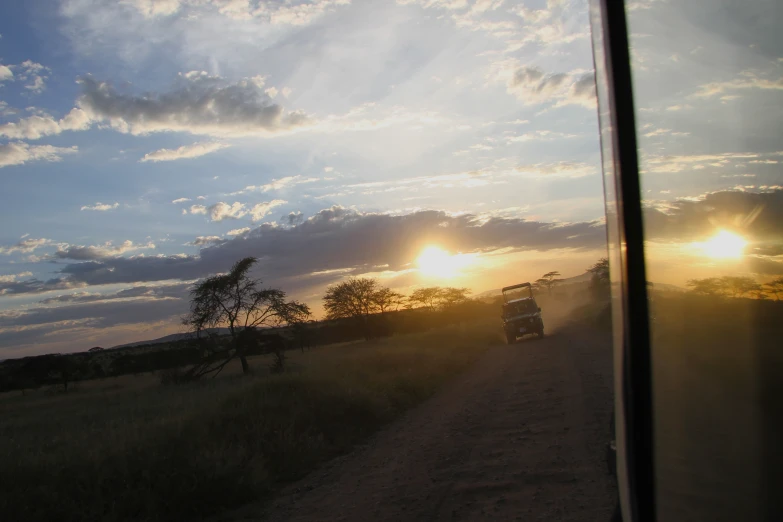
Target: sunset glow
<point x="436" y="262"/>
<point x="724" y="245"/>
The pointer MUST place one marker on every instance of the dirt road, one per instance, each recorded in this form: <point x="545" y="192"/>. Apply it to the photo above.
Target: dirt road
<point x="518" y="437"/>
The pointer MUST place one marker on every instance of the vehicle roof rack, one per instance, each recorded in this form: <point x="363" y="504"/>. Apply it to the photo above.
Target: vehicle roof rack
<point x="512" y="287"/>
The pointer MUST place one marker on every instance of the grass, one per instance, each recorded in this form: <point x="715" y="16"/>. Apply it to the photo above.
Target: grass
<point x="130" y="449"/>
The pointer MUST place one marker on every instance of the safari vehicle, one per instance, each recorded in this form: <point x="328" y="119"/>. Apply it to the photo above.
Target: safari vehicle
<point x="521" y="315"/>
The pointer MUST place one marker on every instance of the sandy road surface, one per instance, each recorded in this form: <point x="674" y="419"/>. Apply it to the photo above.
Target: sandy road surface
<point x="520" y="436"/>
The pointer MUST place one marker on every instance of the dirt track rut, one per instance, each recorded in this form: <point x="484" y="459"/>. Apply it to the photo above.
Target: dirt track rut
<point x="520" y="436"/>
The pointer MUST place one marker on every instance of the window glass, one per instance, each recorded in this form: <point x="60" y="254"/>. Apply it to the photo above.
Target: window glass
<point x="241" y="238"/>
<point x="708" y="88"/>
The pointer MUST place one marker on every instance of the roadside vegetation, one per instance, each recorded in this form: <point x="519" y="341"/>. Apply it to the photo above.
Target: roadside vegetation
<point x="129" y="449"/>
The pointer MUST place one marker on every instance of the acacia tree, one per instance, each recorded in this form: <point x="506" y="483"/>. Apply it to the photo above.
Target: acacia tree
<point x="599" y="282"/>
<point x="731" y="286"/>
<point x="775" y="287"/>
<point x="427" y="297"/>
<point x="549" y="280"/>
<point x="387" y="299"/>
<point x="237" y="301"/>
<point x="707" y="286"/>
<point x="355" y="297"/>
<point x="450" y="296"/>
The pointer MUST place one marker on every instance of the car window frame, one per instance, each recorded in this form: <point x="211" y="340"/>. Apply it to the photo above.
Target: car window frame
<point x="625" y="240"/>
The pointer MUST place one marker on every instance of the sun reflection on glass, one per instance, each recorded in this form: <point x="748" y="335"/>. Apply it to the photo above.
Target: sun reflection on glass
<point x="724" y="245"/>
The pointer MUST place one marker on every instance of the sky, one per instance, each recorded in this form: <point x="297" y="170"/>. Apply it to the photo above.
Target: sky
<point x="145" y="144"/>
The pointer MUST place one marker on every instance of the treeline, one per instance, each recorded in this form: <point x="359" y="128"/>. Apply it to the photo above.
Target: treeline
<point x="737" y="286"/>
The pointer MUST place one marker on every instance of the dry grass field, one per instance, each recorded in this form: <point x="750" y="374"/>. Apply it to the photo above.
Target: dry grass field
<point x="128" y="448"/>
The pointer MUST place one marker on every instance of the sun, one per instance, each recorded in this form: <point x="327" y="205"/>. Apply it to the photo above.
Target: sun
<point x="436" y="262"/>
<point x="724" y="245"/>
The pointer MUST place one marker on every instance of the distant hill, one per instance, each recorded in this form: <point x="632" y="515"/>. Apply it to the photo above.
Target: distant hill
<point x="170" y="338"/>
<point x="581" y="278"/>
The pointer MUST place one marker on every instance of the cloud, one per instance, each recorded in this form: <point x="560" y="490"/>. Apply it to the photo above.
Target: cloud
<point x="690" y="162"/>
<point x="338" y="238"/>
<point x="185" y="152"/>
<point x="532" y="86"/>
<point x="220" y="211"/>
<point x="26" y="245"/>
<point x="18" y="153"/>
<point x="9" y="278"/>
<point x="540" y="135"/>
<point x="180" y="200"/>
<point x="38" y="126"/>
<point x="36" y="286"/>
<point x="293" y="219"/>
<point x="205" y="106"/>
<point x="177" y="290"/>
<point x="89" y="253"/>
<point x="35" y="74"/>
<point x="745" y="81"/>
<point x="34" y="325"/>
<point x="154" y="8"/>
<point x="261" y="210"/>
<point x="5" y="73"/>
<point x="277" y="184"/>
<point x="238" y="231"/>
<point x="756" y="215"/>
<point x="206" y="240"/>
<point x="101" y="206"/>
<point x="354" y="242"/>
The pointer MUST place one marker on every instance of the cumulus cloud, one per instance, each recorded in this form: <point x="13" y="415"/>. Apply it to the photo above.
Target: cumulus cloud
<point x="184" y="152"/>
<point x="180" y="200"/>
<point x="26" y="245"/>
<point x="102" y="207"/>
<point x="9" y="278"/>
<point x="5" y="73"/>
<point x="89" y="253"/>
<point x="36" y="286"/>
<point x="756" y="215"/>
<point x="261" y="210"/>
<point x="202" y="106"/>
<point x="41" y="125"/>
<point x="337" y="239"/>
<point x="238" y="231"/>
<point x="222" y="210"/>
<point x="34" y="74"/>
<point x="533" y="86"/>
<point x="348" y="240"/>
<point x="205" y="240"/>
<point x="18" y="153"/>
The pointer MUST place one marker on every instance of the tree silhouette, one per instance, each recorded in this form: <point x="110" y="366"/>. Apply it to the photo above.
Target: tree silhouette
<point x="426" y="297"/>
<point x="707" y="286"/>
<point x="549" y="280"/>
<point x="237" y="301"/>
<point x="731" y="286"/>
<point x="387" y="299"/>
<point x="599" y="282"/>
<point x="450" y="296"/>
<point x="775" y="287"/>
<point x="358" y="298"/>
<point x="738" y="286"/>
<point x="355" y="297"/>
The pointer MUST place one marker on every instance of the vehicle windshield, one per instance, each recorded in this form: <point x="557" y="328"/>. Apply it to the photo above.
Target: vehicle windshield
<point x="521" y="307"/>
